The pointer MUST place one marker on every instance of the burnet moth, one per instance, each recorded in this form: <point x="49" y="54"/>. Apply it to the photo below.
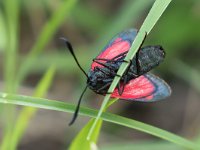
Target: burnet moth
<point x="135" y="84"/>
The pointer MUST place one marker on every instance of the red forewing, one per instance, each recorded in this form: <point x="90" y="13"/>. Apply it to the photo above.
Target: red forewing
<point x="118" y="44"/>
<point x="145" y="88"/>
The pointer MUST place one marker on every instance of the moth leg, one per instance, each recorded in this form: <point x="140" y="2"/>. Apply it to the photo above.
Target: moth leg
<point x="112" y="70"/>
<point x="137" y="66"/>
<point x="105" y="65"/>
<point x="137" y="63"/>
<point x="137" y="55"/>
<point x="124" y="53"/>
<point x="120" y="55"/>
<point x="100" y="69"/>
<point x="105" y="80"/>
<point x="143" y="39"/>
<point x="107" y="60"/>
<point x="103" y="59"/>
<point x="112" y="59"/>
<point x="97" y="60"/>
<point x="125" y="80"/>
<point x="130" y="63"/>
<point x="110" y="74"/>
<point x="121" y="90"/>
<point x="103" y="87"/>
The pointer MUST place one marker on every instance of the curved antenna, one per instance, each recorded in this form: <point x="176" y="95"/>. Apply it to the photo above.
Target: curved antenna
<point x="69" y="46"/>
<point x="77" y="107"/>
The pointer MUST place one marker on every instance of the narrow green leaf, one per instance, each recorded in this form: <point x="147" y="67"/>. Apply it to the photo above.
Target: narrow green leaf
<point x="81" y="142"/>
<point x="3" y="35"/>
<point x="65" y="107"/>
<point x="11" y="8"/>
<point x="12" y="15"/>
<point x="3" y="41"/>
<point x="153" y="16"/>
<point x="144" y="145"/>
<point x="28" y="112"/>
<point x="155" y="13"/>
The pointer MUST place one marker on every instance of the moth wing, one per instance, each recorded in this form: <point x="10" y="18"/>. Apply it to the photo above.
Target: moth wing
<point x="117" y="45"/>
<point x="146" y="88"/>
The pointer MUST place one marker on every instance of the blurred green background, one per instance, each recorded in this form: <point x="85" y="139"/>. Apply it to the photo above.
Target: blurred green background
<point x="29" y="44"/>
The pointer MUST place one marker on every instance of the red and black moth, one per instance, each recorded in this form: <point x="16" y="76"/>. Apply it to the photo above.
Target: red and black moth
<point x="136" y="84"/>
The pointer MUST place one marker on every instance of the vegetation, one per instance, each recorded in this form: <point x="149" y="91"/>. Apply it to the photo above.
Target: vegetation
<point x="29" y="42"/>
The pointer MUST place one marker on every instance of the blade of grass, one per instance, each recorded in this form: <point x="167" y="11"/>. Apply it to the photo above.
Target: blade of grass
<point x="28" y="112"/>
<point x="144" y="145"/>
<point x="155" y="13"/>
<point x="11" y="8"/>
<point x="46" y="34"/>
<point x="151" y="19"/>
<point x="3" y="31"/>
<point x="80" y="141"/>
<point x="65" y="107"/>
<point x="3" y="38"/>
<point x="12" y="17"/>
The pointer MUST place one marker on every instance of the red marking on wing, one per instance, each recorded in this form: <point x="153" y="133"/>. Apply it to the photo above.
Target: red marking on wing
<point x="140" y="87"/>
<point x="117" y="47"/>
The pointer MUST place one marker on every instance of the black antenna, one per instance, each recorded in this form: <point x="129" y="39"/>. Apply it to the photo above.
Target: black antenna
<point x="69" y="46"/>
<point x="77" y="107"/>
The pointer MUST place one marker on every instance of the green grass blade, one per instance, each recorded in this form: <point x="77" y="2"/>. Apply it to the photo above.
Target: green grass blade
<point x="12" y="17"/>
<point x="3" y="37"/>
<point x="65" y="107"/>
<point x="153" y="16"/>
<point x="150" y="145"/>
<point x="28" y="112"/>
<point x="11" y="8"/>
<point x="81" y="142"/>
<point x="3" y="31"/>
<point x="46" y="34"/>
<point x="155" y="13"/>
